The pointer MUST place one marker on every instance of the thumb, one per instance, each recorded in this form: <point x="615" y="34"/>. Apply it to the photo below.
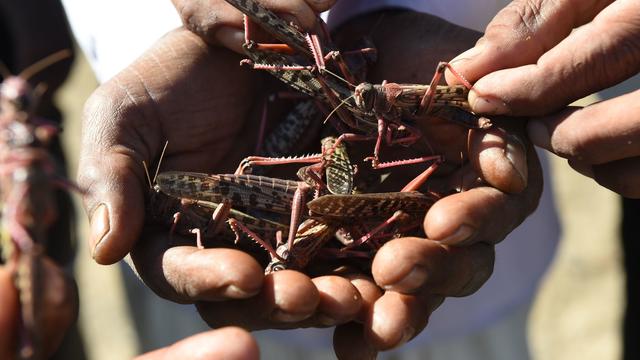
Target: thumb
<point x="113" y="184"/>
<point x="226" y="343"/>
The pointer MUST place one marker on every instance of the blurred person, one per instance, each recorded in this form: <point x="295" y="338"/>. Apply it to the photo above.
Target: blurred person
<point x="128" y="101"/>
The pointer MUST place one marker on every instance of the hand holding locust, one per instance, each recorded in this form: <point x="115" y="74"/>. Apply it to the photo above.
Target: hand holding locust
<point x="530" y="63"/>
<point x="198" y="99"/>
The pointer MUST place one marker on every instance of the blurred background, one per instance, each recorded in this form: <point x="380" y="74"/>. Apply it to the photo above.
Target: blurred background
<point x="577" y="313"/>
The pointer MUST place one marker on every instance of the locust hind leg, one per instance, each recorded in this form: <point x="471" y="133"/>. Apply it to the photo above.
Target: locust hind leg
<point x="370" y="236"/>
<point x="239" y="228"/>
<point x="427" y="99"/>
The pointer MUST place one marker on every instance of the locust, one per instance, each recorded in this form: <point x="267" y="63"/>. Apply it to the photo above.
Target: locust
<point x="240" y="190"/>
<point x="28" y="178"/>
<point x="271" y="195"/>
<point x="368" y="111"/>
<point x="187" y="217"/>
<point x="313" y="233"/>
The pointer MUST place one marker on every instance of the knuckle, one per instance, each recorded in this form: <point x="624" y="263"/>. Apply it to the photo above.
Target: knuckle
<point x="521" y="18"/>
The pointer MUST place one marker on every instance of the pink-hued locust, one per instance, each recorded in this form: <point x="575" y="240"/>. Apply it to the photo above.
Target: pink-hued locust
<point x="187" y="217"/>
<point x="276" y="196"/>
<point x="28" y="178"/>
<point x="366" y="111"/>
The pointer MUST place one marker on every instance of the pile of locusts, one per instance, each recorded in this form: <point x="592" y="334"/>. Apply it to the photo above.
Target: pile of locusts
<point x="323" y="215"/>
<point x="28" y="179"/>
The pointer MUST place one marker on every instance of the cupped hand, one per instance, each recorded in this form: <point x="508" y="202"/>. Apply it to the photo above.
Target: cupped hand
<point x="531" y="63"/>
<point x="203" y="103"/>
<point x="500" y="178"/>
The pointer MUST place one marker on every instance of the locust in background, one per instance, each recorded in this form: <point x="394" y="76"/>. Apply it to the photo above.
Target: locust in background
<point x="28" y="179"/>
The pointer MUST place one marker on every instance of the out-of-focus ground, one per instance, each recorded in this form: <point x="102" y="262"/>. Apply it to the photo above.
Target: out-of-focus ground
<point x="576" y="315"/>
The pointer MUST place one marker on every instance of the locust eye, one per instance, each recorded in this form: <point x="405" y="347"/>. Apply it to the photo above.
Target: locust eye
<point x="278" y="267"/>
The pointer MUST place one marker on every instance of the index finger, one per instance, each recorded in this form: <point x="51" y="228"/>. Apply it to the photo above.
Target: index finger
<point x="594" y="56"/>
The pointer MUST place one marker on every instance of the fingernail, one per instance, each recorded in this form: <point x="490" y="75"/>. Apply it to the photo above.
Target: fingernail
<point x="460" y="236"/>
<point x="487" y="105"/>
<point x="516" y="153"/>
<point x="326" y="320"/>
<point x="99" y="227"/>
<point x="412" y="281"/>
<point x="407" y="335"/>
<point x="286" y="317"/>
<point x="539" y="134"/>
<point x="234" y="292"/>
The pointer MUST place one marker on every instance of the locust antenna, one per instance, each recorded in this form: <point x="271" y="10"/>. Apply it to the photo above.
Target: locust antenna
<point x="146" y="168"/>
<point x="44" y="63"/>
<point x="160" y="161"/>
<point x="343" y="102"/>
<point x="338" y="77"/>
<point x="146" y="172"/>
<point x="377" y="24"/>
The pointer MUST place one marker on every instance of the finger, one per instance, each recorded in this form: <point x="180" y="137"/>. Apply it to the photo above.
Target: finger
<point x="520" y="33"/>
<point x="112" y="190"/>
<point x="578" y="66"/>
<point x="411" y="265"/>
<point x="500" y="158"/>
<point x="369" y="292"/>
<point x="620" y="176"/>
<point x="187" y="274"/>
<point x="396" y="318"/>
<point x="340" y="301"/>
<point x="9" y="310"/>
<point x="300" y="12"/>
<point x="231" y="343"/>
<point x="596" y="134"/>
<point x="471" y="216"/>
<point x="320" y="5"/>
<point x="349" y="343"/>
<point x="287" y="298"/>
<point x="219" y="23"/>
<point x="215" y="21"/>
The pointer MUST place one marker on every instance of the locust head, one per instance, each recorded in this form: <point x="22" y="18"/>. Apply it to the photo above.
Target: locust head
<point x="16" y="95"/>
<point x="365" y="96"/>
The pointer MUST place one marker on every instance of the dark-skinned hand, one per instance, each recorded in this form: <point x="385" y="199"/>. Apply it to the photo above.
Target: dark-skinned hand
<point x="530" y="63"/>
<point x="198" y="99"/>
<point x="58" y="308"/>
